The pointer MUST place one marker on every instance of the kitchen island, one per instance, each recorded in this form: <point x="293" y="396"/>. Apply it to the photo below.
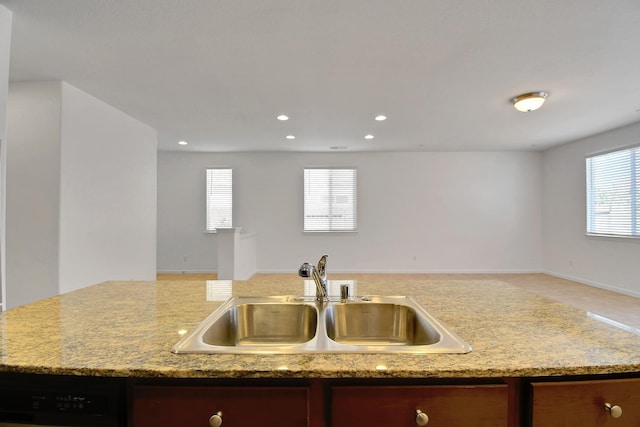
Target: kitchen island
<point x="126" y="330"/>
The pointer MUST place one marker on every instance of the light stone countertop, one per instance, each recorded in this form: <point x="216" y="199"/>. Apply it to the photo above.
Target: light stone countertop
<point x="127" y="329"/>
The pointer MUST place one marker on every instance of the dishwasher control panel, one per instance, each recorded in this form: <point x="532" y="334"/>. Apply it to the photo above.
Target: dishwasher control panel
<point x="62" y="400"/>
<point x="53" y="401"/>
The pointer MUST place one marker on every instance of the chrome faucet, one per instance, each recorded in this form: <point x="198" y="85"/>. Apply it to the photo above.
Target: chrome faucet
<point x="319" y="275"/>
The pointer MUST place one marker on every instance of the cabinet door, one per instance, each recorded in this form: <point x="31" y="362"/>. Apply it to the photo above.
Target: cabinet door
<point x="166" y="406"/>
<point x="450" y="406"/>
<point x="582" y="403"/>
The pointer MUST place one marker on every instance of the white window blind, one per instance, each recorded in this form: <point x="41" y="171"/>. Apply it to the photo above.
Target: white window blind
<point x="330" y="201"/>
<point x="219" y="199"/>
<point x="613" y="190"/>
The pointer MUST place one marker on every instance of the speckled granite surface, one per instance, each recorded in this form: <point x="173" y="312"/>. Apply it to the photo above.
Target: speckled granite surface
<point x="128" y="329"/>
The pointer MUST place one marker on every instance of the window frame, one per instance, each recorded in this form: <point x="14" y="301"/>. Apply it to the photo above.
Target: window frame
<point x="353" y="203"/>
<point x="209" y="203"/>
<point x="632" y="167"/>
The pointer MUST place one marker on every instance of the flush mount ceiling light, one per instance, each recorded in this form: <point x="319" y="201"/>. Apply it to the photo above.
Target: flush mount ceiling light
<point x="282" y="117"/>
<point x="529" y="101"/>
<point x="369" y="136"/>
<point x="380" y="117"/>
<point x="182" y="142"/>
<point x="290" y="137"/>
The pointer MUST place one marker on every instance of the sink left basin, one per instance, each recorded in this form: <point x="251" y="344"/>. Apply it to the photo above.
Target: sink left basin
<point x="254" y="325"/>
<point x="263" y="324"/>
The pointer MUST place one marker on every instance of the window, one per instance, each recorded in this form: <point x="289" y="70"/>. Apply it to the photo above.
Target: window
<point x="330" y="200"/>
<point x="613" y="190"/>
<point x="219" y="199"/>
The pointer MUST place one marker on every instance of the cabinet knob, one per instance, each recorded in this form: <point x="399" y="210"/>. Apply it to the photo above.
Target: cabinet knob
<point x="216" y="420"/>
<point x="614" y="410"/>
<point x="422" y="419"/>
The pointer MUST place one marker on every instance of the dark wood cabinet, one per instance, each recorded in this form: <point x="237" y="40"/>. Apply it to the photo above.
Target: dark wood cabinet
<point x="187" y="406"/>
<point x="510" y="402"/>
<point x="451" y="406"/>
<point x="613" y="402"/>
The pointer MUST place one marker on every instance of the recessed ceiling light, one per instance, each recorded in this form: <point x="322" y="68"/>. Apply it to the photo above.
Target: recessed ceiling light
<point x="369" y="136"/>
<point x="380" y="117"/>
<point x="529" y="101"/>
<point x="290" y="137"/>
<point x="282" y="117"/>
<point x="182" y="142"/>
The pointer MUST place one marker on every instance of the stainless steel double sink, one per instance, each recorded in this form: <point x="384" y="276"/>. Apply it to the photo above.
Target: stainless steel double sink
<point x="289" y="324"/>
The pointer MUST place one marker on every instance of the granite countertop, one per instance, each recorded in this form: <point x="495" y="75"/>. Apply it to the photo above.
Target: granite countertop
<point x="128" y="329"/>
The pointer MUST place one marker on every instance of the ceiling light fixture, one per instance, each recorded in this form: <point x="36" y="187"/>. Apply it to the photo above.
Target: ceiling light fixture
<point x="369" y="137"/>
<point x="282" y="117"/>
<point x="182" y="142"/>
<point x="290" y="137"/>
<point x="380" y="117"/>
<point x="529" y="101"/>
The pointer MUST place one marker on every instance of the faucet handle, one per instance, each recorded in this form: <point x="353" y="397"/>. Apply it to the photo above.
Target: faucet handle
<point x="344" y="293"/>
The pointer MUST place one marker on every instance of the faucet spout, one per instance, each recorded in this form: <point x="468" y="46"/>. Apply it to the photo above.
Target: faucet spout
<point x="322" y="270"/>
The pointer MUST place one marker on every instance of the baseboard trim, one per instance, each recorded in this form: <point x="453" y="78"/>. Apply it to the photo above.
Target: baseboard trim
<point x="594" y="284"/>
<point x="402" y="271"/>
<point x="378" y="271"/>
<point x="186" y="272"/>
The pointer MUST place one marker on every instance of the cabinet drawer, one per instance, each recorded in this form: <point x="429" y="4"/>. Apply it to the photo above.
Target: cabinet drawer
<point x="240" y="406"/>
<point x="582" y="403"/>
<point x="451" y="406"/>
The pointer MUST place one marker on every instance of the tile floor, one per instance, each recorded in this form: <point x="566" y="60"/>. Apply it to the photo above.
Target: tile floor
<point x="607" y="305"/>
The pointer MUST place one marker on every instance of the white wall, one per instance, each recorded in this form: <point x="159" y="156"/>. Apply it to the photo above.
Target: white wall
<point x="33" y="191"/>
<point x="5" y="47"/>
<point x="417" y="212"/>
<point x="108" y="194"/>
<point x="609" y="263"/>
<point x="81" y="192"/>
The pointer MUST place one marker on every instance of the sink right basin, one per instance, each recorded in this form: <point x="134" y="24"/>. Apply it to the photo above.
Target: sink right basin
<point x="378" y="324"/>
<point x="387" y="324"/>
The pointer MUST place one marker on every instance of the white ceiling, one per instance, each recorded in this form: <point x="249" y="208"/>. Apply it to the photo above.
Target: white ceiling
<point x="216" y="73"/>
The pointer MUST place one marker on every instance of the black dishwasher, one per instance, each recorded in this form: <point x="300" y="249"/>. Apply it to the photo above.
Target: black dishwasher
<point x="51" y="400"/>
